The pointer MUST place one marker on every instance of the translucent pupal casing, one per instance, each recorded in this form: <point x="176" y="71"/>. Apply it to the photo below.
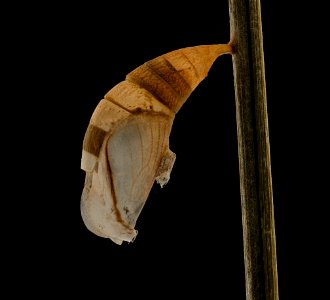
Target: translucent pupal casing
<point x="126" y="145"/>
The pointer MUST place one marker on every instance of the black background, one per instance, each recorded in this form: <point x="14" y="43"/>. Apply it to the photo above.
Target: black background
<point x="190" y="236"/>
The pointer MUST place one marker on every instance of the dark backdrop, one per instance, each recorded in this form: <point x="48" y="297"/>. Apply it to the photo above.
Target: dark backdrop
<point x="190" y="236"/>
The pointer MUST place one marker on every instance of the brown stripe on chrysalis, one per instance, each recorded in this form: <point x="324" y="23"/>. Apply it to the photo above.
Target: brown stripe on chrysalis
<point x="149" y="79"/>
<point x="93" y="139"/>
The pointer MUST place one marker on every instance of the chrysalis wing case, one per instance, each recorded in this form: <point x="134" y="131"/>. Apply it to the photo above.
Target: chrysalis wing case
<point x="126" y="145"/>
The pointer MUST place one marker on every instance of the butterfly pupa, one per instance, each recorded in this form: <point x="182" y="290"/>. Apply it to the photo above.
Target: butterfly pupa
<point x="126" y="145"/>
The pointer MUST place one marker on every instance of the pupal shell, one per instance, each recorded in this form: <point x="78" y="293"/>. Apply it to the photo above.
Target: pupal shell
<point x="126" y="145"/>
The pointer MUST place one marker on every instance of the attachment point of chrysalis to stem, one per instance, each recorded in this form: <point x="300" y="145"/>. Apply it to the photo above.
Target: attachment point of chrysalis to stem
<point x="233" y="43"/>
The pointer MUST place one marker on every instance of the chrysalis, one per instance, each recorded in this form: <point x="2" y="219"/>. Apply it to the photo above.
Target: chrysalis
<point x="126" y="145"/>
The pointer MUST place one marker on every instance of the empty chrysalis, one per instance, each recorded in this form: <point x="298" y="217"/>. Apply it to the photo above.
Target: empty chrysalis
<point x="126" y="145"/>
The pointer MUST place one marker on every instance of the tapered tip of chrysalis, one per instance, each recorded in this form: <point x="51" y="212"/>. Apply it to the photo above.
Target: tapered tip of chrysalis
<point x="195" y="62"/>
<point x="171" y="77"/>
<point x="221" y="49"/>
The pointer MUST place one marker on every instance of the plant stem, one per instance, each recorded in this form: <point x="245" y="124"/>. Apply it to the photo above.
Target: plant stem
<point x="254" y="151"/>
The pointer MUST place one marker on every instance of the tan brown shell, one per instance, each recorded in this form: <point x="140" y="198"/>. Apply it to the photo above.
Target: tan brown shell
<point x="126" y="145"/>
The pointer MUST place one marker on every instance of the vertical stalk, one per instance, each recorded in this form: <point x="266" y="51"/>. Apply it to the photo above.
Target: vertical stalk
<point x="253" y="150"/>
